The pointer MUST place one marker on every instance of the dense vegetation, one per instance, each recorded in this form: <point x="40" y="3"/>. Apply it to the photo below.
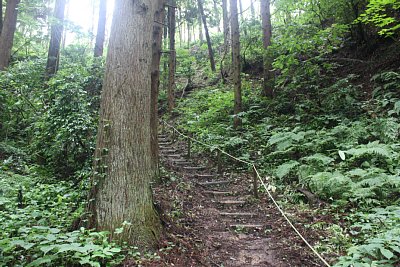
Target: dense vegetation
<point x="332" y="128"/>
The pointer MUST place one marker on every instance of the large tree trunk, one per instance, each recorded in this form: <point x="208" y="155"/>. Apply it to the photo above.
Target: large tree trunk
<point x="1" y="16"/>
<point x="155" y="78"/>
<point x="53" y="57"/>
<point x="123" y="166"/>
<point x="210" y="50"/>
<point x="7" y="33"/>
<point x="172" y="56"/>
<point x="101" y="29"/>
<point x="267" y="34"/>
<point x="237" y="83"/>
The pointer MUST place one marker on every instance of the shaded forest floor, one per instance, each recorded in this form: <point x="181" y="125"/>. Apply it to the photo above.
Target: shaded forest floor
<point x="213" y="220"/>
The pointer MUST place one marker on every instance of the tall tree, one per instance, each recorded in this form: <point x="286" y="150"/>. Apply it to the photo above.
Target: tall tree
<point x="172" y="55"/>
<point x="242" y="19"/>
<point x="252" y="10"/>
<point x="155" y="77"/>
<point x="1" y="15"/>
<point x="225" y="21"/>
<point x="101" y="29"/>
<point x="7" y="33"/>
<point x="267" y="34"/>
<point x="209" y="45"/>
<point x="217" y="15"/>
<point x="200" y="28"/>
<point x="57" y="27"/>
<point x="123" y="163"/>
<point x="237" y="82"/>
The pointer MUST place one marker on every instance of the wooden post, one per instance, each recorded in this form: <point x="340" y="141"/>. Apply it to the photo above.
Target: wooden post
<point x="255" y="182"/>
<point x="189" y="144"/>
<point x="219" y="162"/>
<point x="173" y="135"/>
<point x="162" y="127"/>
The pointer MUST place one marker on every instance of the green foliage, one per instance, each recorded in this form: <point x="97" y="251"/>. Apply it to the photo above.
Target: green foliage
<point x="64" y="134"/>
<point x="35" y="217"/>
<point x="384" y="15"/>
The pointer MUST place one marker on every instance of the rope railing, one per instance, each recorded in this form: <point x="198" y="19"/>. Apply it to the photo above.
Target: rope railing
<point x="257" y="176"/>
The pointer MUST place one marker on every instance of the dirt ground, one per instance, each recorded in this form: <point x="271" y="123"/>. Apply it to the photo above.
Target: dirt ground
<point x="214" y="220"/>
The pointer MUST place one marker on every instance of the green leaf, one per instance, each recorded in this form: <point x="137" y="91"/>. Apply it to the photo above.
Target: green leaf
<point x="46" y="249"/>
<point x="387" y="253"/>
<point x="342" y="155"/>
<point x="22" y="243"/>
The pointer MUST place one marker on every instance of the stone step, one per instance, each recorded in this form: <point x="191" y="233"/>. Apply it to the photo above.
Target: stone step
<point x="164" y="144"/>
<point x="188" y="168"/>
<point x="247" y="226"/>
<point x="174" y="155"/>
<point x="237" y="214"/>
<point x="197" y="175"/>
<point x="178" y="160"/>
<point x="218" y="193"/>
<point x="232" y="202"/>
<point x="169" y="151"/>
<point x="184" y="162"/>
<point x="214" y="183"/>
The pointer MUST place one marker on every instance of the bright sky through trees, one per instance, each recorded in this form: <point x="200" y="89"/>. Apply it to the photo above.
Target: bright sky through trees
<point x="84" y="15"/>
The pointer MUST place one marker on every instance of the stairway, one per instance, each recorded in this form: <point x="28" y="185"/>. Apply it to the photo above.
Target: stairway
<point x="233" y="224"/>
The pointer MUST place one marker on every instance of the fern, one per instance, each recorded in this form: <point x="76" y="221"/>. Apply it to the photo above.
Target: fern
<point x="330" y="185"/>
<point x="286" y="168"/>
<point x="374" y="148"/>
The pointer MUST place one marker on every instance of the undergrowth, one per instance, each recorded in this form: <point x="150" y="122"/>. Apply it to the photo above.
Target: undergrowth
<point x="342" y="148"/>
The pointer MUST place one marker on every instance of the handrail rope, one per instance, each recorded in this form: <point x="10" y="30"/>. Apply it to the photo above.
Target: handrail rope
<point x="264" y="185"/>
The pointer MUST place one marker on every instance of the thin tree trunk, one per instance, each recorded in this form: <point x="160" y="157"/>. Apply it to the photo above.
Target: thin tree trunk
<point x="155" y="79"/>
<point x="101" y="29"/>
<point x="57" y="28"/>
<point x="8" y="31"/>
<point x="200" y="28"/>
<point x="123" y="168"/>
<point x="237" y="83"/>
<point x="242" y="20"/>
<point x="267" y="34"/>
<point x="217" y="15"/>
<point x="226" y="24"/>
<point x="172" y="56"/>
<point x="210" y="50"/>
<point x="252" y="10"/>
<point x="188" y="34"/>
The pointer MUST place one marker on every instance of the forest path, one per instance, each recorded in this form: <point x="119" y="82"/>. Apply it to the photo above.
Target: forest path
<point x="223" y="220"/>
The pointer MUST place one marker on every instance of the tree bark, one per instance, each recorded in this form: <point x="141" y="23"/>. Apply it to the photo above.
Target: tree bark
<point x="200" y="29"/>
<point x="7" y="33"/>
<point x="155" y="79"/>
<point x="252" y="10"/>
<point x="225" y="18"/>
<point x="242" y="20"/>
<point x="237" y="83"/>
<point x="123" y="165"/>
<point x="57" y="27"/>
<point x="172" y="56"/>
<point x="210" y="50"/>
<point x="267" y="61"/>
<point x="217" y="15"/>
<point x="101" y="29"/>
<point x="1" y="16"/>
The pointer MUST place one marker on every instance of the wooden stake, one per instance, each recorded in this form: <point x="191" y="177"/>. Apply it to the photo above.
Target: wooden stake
<point x="189" y="144"/>
<point x="255" y="183"/>
<point x="219" y="162"/>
